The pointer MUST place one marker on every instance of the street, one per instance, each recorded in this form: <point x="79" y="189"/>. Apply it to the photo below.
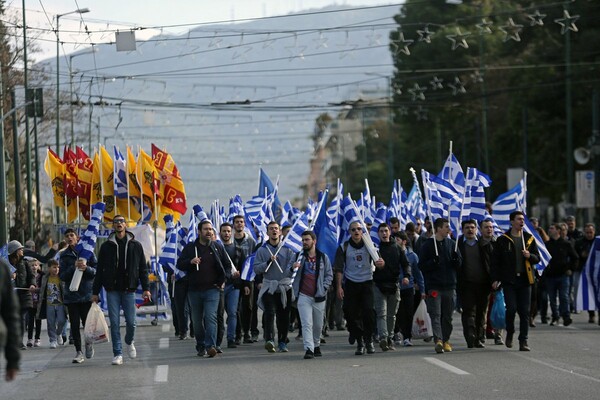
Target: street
<point x="563" y="364"/>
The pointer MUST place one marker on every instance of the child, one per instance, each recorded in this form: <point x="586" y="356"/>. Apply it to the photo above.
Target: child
<point x="33" y="321"/>
<point x="51" y="296"/>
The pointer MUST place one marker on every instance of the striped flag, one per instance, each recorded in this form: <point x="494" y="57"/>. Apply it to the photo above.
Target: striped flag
<point x="87" y="242"/>
<point x="588" y="295"/>
<point x="248" y="268"/>
<point x="442" y="200"/>
<point x="120" y="175"/>
<point x="379" y="218"/>
<point x="544" y="253"/>
<point x="293" y="240"/>
<point x="168" y="255"/>
<point x="236" y="207"/>
<point x="474" y="198"/>
<point x="452" y="173"/>
<point x="508" y="202"/>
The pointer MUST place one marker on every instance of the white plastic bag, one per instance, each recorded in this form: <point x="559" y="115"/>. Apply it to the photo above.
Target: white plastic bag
<point x="421" y="326"/>
<point x="96" y="329"/>
<point x="76" y="280"/>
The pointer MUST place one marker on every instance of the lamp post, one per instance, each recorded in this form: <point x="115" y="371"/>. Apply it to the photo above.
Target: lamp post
<point x="78" y="11"/>
<point x="71" y="73"/>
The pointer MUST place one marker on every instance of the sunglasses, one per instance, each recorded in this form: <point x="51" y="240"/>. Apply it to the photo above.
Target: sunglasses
<point x="356" y="229"/>
<point x="118" y="221"/>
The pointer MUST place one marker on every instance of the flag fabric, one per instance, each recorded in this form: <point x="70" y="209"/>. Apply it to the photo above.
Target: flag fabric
<point x="588" y="294"/>
<point x="55" y="169"/>
<point x="349" y="215"/>
<point x="87" y="241"/>
<point x="162" y="296"/>
<point x="442" y="200"/>
<point x="256" y="211"/>
<point x="415" y="205"/>
<point x="327" y="236"/>
<point x="508" y="202"/>
<point x="168" y="254"/>
<point x="135" y="207"/>
<point x="70" y="161"/>
<point x="171" y="185"/>
<point x="247" y="273"/>
<point x="149" y="182"/>
<point x="120" y="175"/>
<point x="378" y="219"/>
<point x="544" y="253"/>
<point x="85" y="169"/>
<point x="474" y="196"/>
<point x="102" y="182"/>
<point x="293" y="240"/>
<point x="452" y="173"/>
<point x="236" y="207"/>
<point x="265" y="188"/>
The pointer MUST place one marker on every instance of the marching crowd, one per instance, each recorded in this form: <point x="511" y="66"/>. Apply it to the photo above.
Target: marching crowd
<point x="373" y="296"/>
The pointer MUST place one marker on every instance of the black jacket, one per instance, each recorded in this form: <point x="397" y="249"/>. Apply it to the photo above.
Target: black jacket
<point x="504" y="256"/>
<point x="485" y="254"/>
<point x="108" y="261"/>
<point x="222" y="263"/>
<point x="386" y="278"/>
<point x="439" y="272"/>
<point x="564" y="257"/>
<point x="10" y="320"/>
<point x="67" y="269"/>
<point x="25" y="278"/>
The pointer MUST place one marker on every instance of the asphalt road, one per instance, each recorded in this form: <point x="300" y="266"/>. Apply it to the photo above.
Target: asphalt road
<point x="564" y="364"/>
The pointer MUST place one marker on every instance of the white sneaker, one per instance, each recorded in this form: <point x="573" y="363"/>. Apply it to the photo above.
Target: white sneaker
<point x="407" y="343"/>
<point x="89" y="350"/>
<point x="60" y="340"/>
<point x="78" y="358"/>
<point x="131" y="350"/>
<point x="117" y="360"/>
<point x="53" y="345"/>
<point x="37" y="343"/>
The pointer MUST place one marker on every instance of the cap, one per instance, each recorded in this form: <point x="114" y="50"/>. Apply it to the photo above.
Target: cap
<point x="13" y="246"/>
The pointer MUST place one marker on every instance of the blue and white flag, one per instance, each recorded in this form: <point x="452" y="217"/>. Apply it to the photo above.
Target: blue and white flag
<point x="545" y="256"/>
<point x="87" y="242"/>
<point x="168" y="256"/>
<point x="452" y="173"/>
<point x="247" y="273"/>
<point x="236" y="207"/>
<point x="334" y="215"/>
<point x="380" y="217"/>
<point x="588" y="295"/>
<point x="327" y="236"/>
<point x="4" y="251"/>
<point x="442" y="200"/>
<point x="161" y="275"/>
<point x="474" y="198"/>
<point x="415" y="206"/>
<point x="513" y="200"/>
<point x="268" y="190"/>
<point x="120" y="175"/>
<point x="349" y="215"/>
<point x="293" y="240"/>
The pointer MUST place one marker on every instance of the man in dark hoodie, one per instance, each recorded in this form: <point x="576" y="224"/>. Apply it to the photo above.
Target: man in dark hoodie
<point x="386" y="292"/>
<point x="121" y="268"/>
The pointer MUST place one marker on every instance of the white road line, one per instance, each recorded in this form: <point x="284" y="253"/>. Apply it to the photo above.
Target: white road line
<point x="162" y="374"/>
<point x="446" y="366"/>
<point x="163" y="343"/>
<point x="570" y="372"/>
<point x="166" y="327"/>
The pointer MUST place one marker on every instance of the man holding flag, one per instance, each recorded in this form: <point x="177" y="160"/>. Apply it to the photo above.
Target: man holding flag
<point x="514" y="255"/>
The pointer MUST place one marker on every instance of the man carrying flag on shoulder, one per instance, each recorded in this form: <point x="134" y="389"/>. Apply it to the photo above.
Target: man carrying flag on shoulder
<point x="514" y="256"/>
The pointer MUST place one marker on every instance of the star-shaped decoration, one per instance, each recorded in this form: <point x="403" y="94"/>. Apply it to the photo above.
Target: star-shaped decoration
<point x="402" y="111"/>
<point x="511" y="31"/>
<point x="459" y="40"/>
<point x="321" y="41"/>
<point x="536" y="18"/>
<point x="241" y="53"/>
<point x="296" y="51"/>
<point x="349" y="51"/>
<point x="417" y="92"/>
<point x="485" y="26"/>
<point x="397" y="88"/>
<point x="436" y="83"/>
<point x="457" y="86"/>
<point x="215" y="41"/>
<point x="268" y="42"/>
<point x="374" y="38"/>
<point x="421" y="113"/>
<point x="425" y="35"/>
<point x="401" y="45"/>
<point x="476" y="77"/>
<point x="567" y="22"/>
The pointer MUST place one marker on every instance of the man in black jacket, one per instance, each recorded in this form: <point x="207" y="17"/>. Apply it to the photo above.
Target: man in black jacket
<point x="121" y="268"/>
<point x="556" y="275"/>
<point x="10" y="329"/>
<point x="386" y="293"/>
<point x="513" y="258"/>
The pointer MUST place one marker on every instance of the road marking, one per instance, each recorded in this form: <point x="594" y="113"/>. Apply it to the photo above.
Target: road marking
<point x="162" y="374"/>
<point x="163" y="343"/>
<point x="166" y="328"/>
<point x="446" y="366"/>
<point x="568" y="371"/>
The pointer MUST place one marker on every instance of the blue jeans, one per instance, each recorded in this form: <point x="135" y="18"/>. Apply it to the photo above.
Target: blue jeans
<point x="204" y="305"/>
<point x="116" y="300"/>
<point x="232" y="296"/>
<point x="558" y="285"/>
<point x="55" y="320"/>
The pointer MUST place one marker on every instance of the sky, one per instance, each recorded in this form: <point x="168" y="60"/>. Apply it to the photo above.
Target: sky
<point x="119" y="14"/>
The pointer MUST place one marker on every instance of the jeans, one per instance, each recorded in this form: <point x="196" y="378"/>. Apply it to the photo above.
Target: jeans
<point x="55" y="320"/>
<point x="116" y="300"/>
<point x="78" y="312"/>
<point x="232" y="296"/>
<point x="558" y="286"/>
<point x="517" y="297"/>
<point x="204" y="305"/>
<point x="386" y="306"/>
<point x="440" y="309"/>
<point x="272" y="308"/>
<point x="312" y="317"/>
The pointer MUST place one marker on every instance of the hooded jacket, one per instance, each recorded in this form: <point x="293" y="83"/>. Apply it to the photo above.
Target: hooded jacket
<point x="67" y="268"/>
<point x="108" y="262"/>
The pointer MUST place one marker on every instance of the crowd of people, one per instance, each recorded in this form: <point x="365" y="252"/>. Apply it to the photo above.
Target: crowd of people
<point x="372" y="295"/>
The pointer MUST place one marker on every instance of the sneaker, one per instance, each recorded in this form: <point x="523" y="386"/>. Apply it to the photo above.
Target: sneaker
<point x="299" y="336"/>
<point x="282" y="348"/>
<point x="270" y="346"/>
<point x="89" y="350"/>
<point x="131" y="350"/>
<point x="370" y="348"/>
<point x="117" y="360"/>
<point x="360" y="348"/>
<point x="60" y="340"/>
<point x="391" y="344"/>
<point x="407" y="343"/>
<point x="447" y="347"/>
<point x="219" y="350"/>
<point x="30" y="343"/>
<point x="231" y="344"/>
<point x="544" y="320"/>
<point x="479" y="344"/>
<point x="78" y="358"/>
<point x="554" y="322"/>
<point x="317" y="352"/>
<point x="212" y="351"/>
<point x="53" y="345"/>
<point x="201" y="353"/>
<point x="567" y="321"/>
<point x="309" y="355"/>
<point x="255" y="338"/>
<point x="351" y="339"/>
<point x="183" y="336"/>
<point x="23" y="347"/>
<point x="248" y="339"/>
<point x="383" y="343"/>
<point x="498" y="341"/>
<point x="37" y="343"/>
<point x="397" y="340"/>
<point x="439" y="347"/>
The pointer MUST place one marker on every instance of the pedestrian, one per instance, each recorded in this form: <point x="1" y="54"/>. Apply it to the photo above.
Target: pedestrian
<point x="231" y="293"/>
<point x="24" y="281"/>
<point x="122" y="267"/>
<point x="51" y="304"/>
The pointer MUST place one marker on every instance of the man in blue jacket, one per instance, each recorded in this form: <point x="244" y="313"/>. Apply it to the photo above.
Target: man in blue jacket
<point x="313" y="278"/>
<point x="121" y="269"/>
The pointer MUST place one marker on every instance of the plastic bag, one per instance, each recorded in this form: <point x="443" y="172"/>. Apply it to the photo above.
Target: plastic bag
<point x="96" y="329"/>
<point x="421" y="326"/>
<point x="76" y="280"/>
<point x="498" y="313"/>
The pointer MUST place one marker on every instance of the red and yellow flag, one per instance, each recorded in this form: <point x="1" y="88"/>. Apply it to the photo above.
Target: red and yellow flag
<point x="149" y="181"/>
<point x="102" y="183"/>
<point x="55" y="169"/>
<point x="171" y="185"/>
<point x="70" y="161"/>
<point x="85" y="168"/>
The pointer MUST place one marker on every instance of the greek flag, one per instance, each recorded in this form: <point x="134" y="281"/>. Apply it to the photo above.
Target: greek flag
<point x="293" y="240"/>
<point x="452" y="173"/>
<point x="120" y="175"/>
<point x="161" y="275"/>
<point x="257" y="212"/>
<point x="379" y="218"/>
<point x="169" y="254"/>
<point x="415" y="206"/>
<point x="87" y="242"/>
<point x="544" y="253"/>
<point x="474" y="199"/>
<point x="248" y="268"/>
<point x="334" y="216"/>
<point x="236" y="207"/>
<point x="508" y="202"/>
<point x="349" y="214"/>
<point x="442" y="200"/>
<point x="588" y="295"/>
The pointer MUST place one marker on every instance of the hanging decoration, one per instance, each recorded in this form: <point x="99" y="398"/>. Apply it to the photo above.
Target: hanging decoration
<point x="401" y="44"/>
<point x="459" y="40"/>
<point x="536" y="19"/>
<point x="567" y="22"/>
<point x="425" y="34"/>
<point x="417" y="92"/>
<point x="511" y="31"/>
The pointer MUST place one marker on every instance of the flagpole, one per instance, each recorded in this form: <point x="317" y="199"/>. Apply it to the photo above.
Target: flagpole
<point x="323" y="200"/>
<point x="127" y="183"/>
<point x="524" y="205"/>
<point x="137" y="176"/>
<point x="462" y="206"/>
<point x="426" y="188"/>
<point x="366" y="236"/>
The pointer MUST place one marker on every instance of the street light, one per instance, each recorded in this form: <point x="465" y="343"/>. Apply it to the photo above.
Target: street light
<point x="78" y="11"/>
<point x="71" y="73"/>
